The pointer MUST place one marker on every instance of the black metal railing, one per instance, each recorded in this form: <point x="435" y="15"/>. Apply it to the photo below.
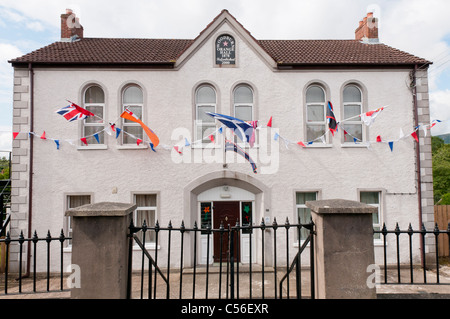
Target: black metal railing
<point x="23" y="274"/>
<point x="229" y="275"/>
<point x="399" y="264"/>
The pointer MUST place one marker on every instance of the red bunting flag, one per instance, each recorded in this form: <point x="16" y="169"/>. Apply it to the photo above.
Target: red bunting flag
<point x="176" y="149"/>
<point x="15" y="135"/>
<point x="301" y="144"/>
<point x="269" y="124"/>
<point x="138" y="141"/>
<point x="84" y="140"/>
<point x="379" y="139"/>
<point x="211" y="137"/>
<point x="414" y="135"/>
<point x="43" y="136"/>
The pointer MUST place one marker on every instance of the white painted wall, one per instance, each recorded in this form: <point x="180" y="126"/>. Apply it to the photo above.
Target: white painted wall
<point x="337" y="171"/>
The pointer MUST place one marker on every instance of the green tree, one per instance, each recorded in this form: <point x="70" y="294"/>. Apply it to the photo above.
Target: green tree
<point x="4" y="168"/>
<point x="441" y="170"/>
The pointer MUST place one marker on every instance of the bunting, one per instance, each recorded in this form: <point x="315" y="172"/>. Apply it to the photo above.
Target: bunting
<point x="332" y="123"/>
<point x="74" y="112"/>
<point x="369" y="117"/>
<point x="246" y="130"/>
<point x="230" y="146"/>
<point x="128" y="115"/>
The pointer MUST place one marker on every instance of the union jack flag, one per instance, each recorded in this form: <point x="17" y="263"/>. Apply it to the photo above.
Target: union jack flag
<point x="74" y="112"/>
<point x="230" y="146"/>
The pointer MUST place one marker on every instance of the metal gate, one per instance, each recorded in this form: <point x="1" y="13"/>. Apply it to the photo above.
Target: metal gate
<point x="264" y="276"/>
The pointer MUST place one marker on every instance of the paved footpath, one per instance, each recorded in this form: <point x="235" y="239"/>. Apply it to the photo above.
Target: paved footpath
<point x="404" y="290"/>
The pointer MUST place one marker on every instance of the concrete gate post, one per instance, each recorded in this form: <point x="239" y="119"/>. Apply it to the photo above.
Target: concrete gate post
<point x="343" y="248"/>
<point x="100" y="249"/>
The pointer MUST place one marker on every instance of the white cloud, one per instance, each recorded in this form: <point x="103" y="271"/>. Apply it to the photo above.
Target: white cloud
<point x="5" y="139"/>
<point x="440" y="110"/>
<point x="419" y="27"/>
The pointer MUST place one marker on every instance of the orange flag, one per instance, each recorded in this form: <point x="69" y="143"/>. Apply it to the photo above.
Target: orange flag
<point x="128" y="115"/>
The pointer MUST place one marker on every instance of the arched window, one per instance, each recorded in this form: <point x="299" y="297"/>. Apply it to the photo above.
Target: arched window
<point x="133" y="100"/>
<point x="205" y="101"/>
<point x="243" y="103"/>
<point x="94" y="101"/>
<point x="315" y="112"/>
<point x="352" y="98"/>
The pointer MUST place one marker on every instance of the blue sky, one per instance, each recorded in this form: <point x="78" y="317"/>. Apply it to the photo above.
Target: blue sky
<point x="419" y="27"/>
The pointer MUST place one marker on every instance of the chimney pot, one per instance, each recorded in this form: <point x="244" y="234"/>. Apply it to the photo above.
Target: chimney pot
<point x="367" y="29"/>
<point x="70" y="26"/>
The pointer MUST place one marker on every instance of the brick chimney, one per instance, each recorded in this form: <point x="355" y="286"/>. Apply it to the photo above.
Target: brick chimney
<point x="367" y="30"/>
<point x="70" y="26"/>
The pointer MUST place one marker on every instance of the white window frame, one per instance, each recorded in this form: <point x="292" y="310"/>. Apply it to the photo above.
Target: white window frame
<point x="297" y="206"/>
<point x="237" y="105"/>
<point x="199" y="124"/>
<point x="356" y="121"/>
<point x="316" y="123"/>
<point x="378" y="206"/>
<point x="85" y="123"/>
<point x="68" y="219"/>
<point x="132" y="124"/>
<point x="149" y="244"/>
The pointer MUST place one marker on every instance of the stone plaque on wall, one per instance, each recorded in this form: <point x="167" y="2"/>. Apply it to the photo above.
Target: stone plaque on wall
<point x="225" y="50"/>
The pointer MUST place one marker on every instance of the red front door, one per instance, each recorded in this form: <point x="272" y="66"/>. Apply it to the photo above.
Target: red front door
<point x="228" y="214"/>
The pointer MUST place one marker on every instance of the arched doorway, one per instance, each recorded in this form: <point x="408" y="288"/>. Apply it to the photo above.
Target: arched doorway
<point x="225" y="197"/>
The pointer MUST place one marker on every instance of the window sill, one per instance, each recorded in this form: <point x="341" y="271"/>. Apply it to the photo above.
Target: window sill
<point x="132" y="147"/>
<point x="148" y="246"/>
<point x="319" y="146"/>
<point x="206" y="146"/>
<point x="353" y="145"/>
<point x="378" y="243"/>
<point x="92" y="147"/>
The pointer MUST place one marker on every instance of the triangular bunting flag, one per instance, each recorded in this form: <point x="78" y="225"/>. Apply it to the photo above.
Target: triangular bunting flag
<point x="275" y="137"/>
<point x="138" y="141"/>
<point x="177" y="149"/>
<point x="117" y="132"/>
<point x="414" y="135"/>
<point x="269" y="124"/>
<point x="211" y="137"/>
<point x="301" y="144"/>
<point x="391" y="145"/>
<point x="15" y="135"/>
<point x="379" y="139"/>
<point x="84" y="140"/>
<point x="152" y="147"/>
<point x="186" y="142"/>
<point x="96" y="137"/>
<point x="57" y="144"/>
<point x="401" y="134"/>
<point x="43" y="136"/>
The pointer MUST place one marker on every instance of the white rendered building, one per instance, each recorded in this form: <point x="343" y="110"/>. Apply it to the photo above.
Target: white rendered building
<point x="171" y="83"/>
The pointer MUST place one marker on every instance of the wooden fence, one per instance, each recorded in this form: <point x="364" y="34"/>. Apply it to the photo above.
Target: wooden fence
<point x="442" y="218"/>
